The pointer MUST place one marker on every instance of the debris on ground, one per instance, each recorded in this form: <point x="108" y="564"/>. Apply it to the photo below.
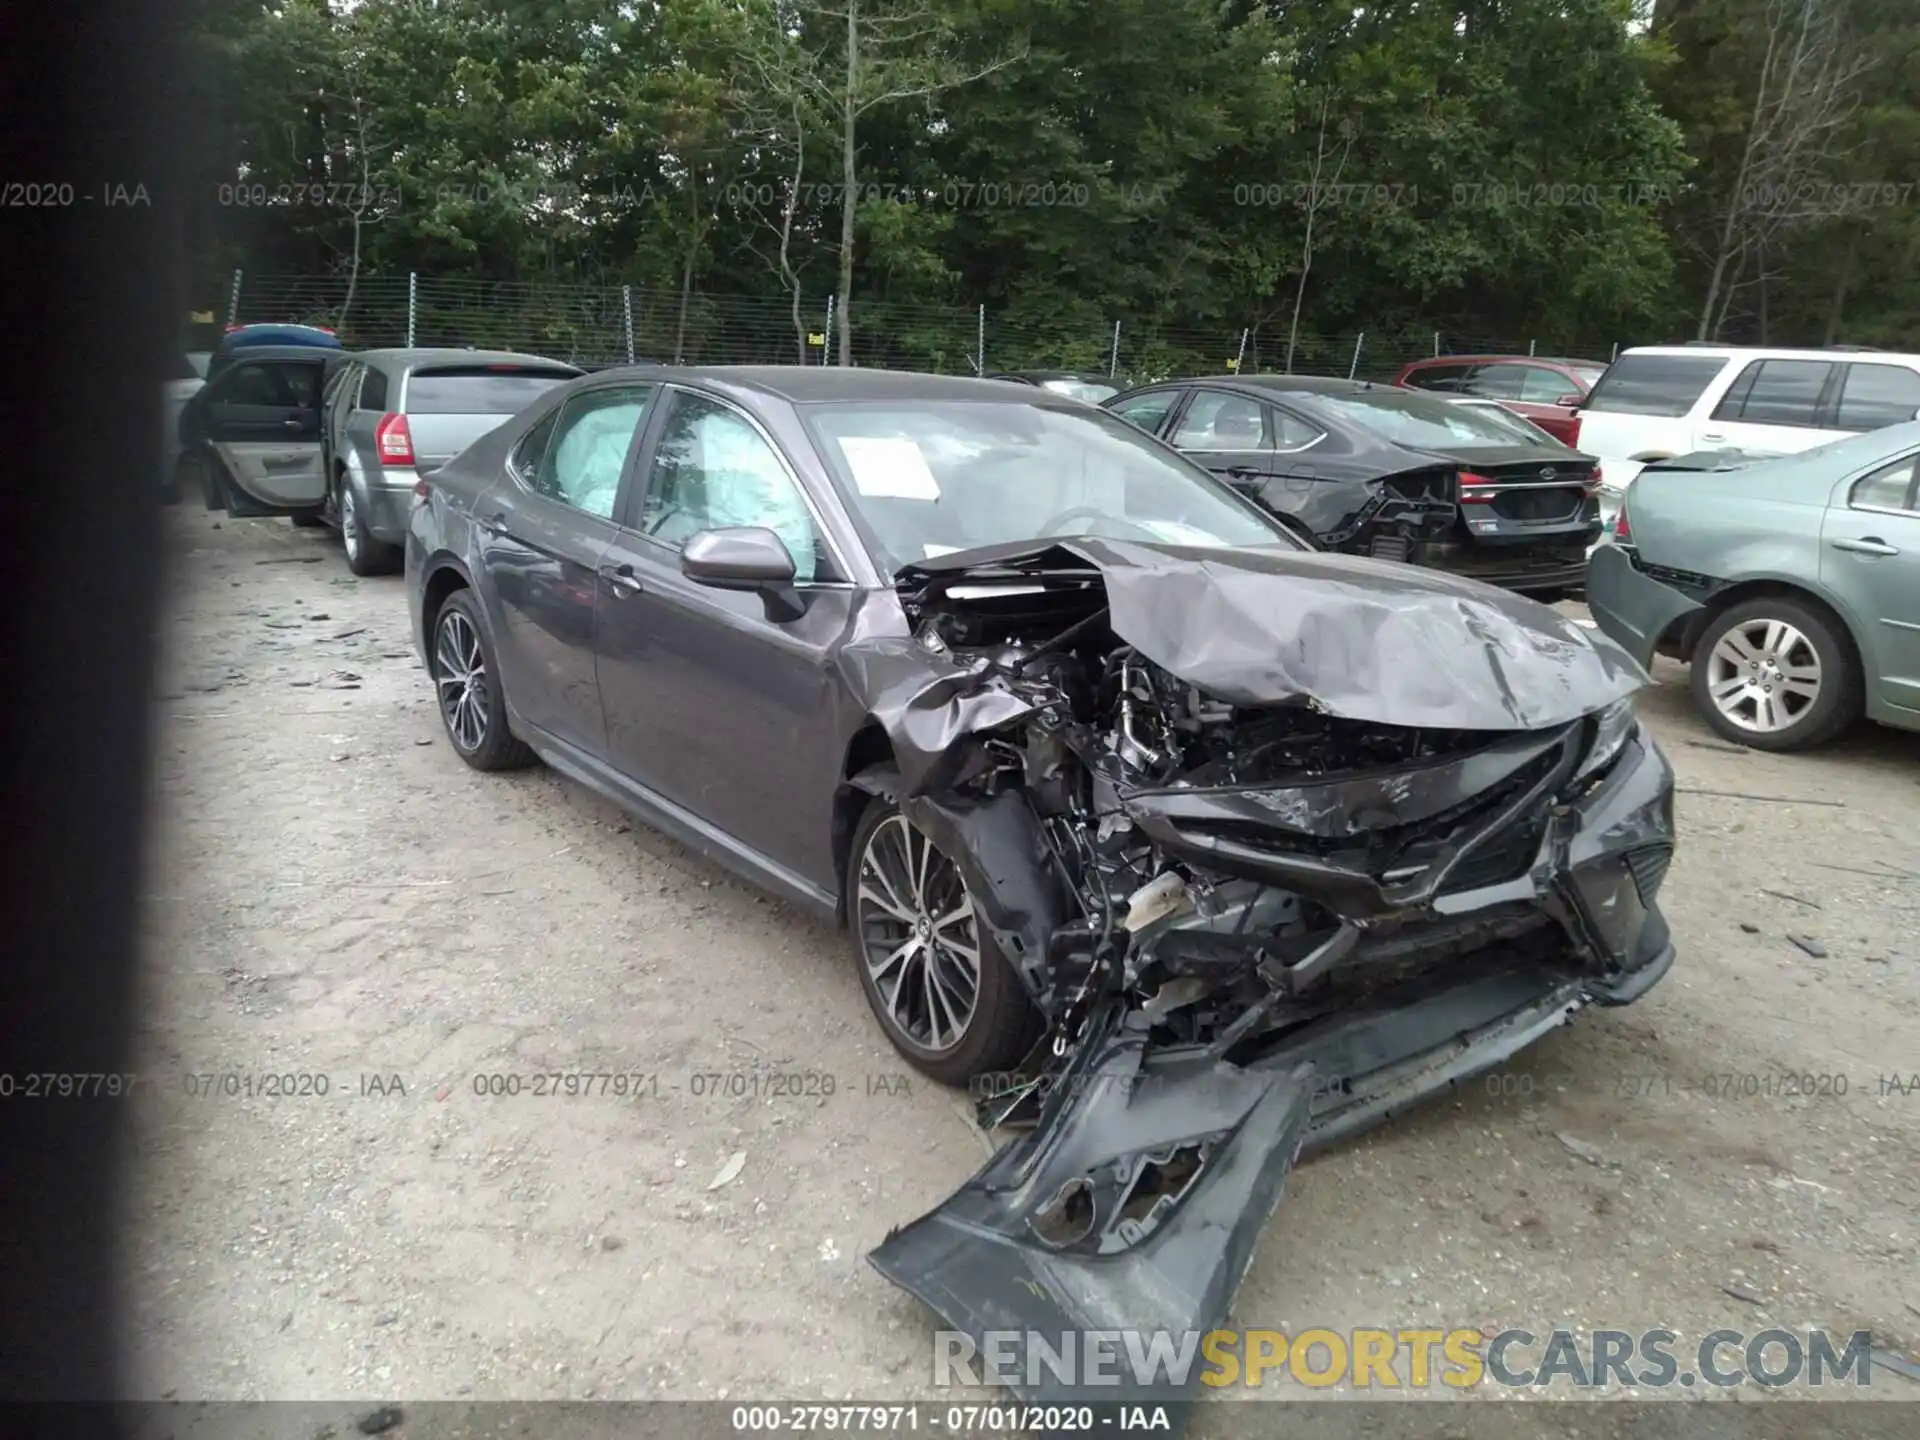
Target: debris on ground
<point x="1810" y="945"/>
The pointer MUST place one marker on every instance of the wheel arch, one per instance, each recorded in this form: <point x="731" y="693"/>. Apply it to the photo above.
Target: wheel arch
<point x="1692" y="626"/>
<point x="443" y="574"/>
<point x="868" y="770"/>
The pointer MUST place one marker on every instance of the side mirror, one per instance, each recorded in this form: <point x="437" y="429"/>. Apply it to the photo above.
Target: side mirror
<point x="738" y="557"/>
<point x="1570" y="401"/>
<point x="749" y="558"/>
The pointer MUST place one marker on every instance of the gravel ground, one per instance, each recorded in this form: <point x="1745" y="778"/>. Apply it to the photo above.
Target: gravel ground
<point x="331" y="893"/>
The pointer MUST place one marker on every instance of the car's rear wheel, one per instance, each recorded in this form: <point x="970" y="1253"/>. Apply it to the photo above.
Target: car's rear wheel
<point x="473" y="707"/>
<point x="1775" y="674"/>
<point x="365" y="554"/>
<point x="944" y="995"/>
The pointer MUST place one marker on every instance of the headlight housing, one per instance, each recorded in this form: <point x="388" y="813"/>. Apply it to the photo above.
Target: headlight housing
<point x="1612" y="728"/>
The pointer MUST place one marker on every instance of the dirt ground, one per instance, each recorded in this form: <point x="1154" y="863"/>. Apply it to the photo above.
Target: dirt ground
<point x="331" y="893"/>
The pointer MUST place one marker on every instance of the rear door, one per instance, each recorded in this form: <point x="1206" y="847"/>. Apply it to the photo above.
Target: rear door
<point x="1870" y="558"/>
<point x="449" y="406"/>
<point x="1231" y="434"/>
<point x="543" y="531"/>
<point x="1876" y="393"/>
<point x="262" y="419"/>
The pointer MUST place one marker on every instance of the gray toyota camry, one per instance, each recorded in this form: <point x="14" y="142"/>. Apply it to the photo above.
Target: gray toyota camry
<point x="1184" y="846"/>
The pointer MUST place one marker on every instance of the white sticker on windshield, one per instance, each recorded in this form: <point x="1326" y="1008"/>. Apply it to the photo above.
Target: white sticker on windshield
<point x="931" y="551"/>
<point x="889" y="469"/>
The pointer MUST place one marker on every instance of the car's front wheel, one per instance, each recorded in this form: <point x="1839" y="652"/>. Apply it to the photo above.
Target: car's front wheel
<point x="944" y="995"/>
<point x="473" y="707"/>
<point x="1775" y="674"/>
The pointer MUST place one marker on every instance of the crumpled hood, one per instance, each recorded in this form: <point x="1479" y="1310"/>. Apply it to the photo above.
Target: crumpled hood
<point x="1363" y="639"/>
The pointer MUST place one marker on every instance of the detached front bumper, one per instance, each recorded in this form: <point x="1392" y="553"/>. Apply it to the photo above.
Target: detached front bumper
<point x="1134" y="1206"/>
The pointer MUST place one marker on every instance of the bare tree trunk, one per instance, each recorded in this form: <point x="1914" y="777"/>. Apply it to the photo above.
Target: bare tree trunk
<point x="359" y="211"/>
<point x="686" y="270"/>
<point x="786" y="234"/>
<point x="1313" y="210"/>
<point x="1840" y="288"/>
<point x="849" y="174"/>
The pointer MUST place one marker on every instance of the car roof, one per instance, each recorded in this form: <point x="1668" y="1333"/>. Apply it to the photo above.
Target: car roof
<point x="1769" y="352"/>
<point x="818" y="384"/>
<point x="1286" y="384"/>
<point x="1507" y="360"/>
<point x="452" y="355"/>
<point x="1092" y="375"/>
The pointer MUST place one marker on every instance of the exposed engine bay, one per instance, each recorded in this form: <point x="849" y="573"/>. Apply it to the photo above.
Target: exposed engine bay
<point x="1253" y="907"/>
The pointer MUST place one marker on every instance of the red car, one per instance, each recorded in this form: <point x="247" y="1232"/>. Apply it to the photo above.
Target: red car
<point x="1544" y="390"/>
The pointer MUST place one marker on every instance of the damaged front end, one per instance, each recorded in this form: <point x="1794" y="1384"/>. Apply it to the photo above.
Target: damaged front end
<point x="1278" y="844"/>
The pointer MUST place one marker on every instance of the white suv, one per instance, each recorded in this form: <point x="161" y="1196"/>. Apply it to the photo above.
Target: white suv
<point x="1659" y="401"/>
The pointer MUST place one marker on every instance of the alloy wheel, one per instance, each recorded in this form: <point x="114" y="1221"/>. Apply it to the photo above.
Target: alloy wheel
<point x="460" y="676"/>
<point x="917" y="936"/>
<point x="1763" y="675"/>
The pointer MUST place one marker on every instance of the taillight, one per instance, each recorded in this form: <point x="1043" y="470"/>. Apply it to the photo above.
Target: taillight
<point x="1475" y="489"/>
<point x="1622" y="530"/>
<point x="393" y="440"/>
<point x="1592" y="483"/>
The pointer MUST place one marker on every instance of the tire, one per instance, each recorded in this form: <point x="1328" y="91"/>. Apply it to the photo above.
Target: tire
<point x="460" y="662"/>
<point x="1800" y="657"/>
<point x="1000" y="1027"/>
<point x="365" y="555"/>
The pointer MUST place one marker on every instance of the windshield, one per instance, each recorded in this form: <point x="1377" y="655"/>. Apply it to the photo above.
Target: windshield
<point x="1091" y="391"/>
<point x="929" y="479"/>
<point x="1407" y="417"/>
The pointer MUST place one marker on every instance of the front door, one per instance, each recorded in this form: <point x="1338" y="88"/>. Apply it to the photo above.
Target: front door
<point x="721" y="708"/>
<point x="543" y="531"/>
<point x="1870" y="558"/>
<point x="262" y="430"/>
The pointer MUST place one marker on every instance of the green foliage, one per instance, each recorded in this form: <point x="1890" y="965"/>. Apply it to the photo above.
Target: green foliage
<point x="1189" y="167"/>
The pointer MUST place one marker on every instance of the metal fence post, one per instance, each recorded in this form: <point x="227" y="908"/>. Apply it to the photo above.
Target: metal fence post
<point x="1113" y="358"/>
<point x="626" y="316"/>
<point x="826" y="350"/>
<point x="233" y="300"/>
<point x="1353" y="367"/>
<point x="1240" y="358"/>
<point x="980" y="352"/>
<point x="1616" y="352"/>
<point x="1436" y="344"/>
<point x="1530" y="347"/>
<point x="413" y="298"/>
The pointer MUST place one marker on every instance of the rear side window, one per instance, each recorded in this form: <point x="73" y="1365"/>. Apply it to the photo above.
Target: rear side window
<point x="1654" y="384"/>
<point x="373" y="390"/>
<point x="1890" y="487"/>
<point x="1541" y="386"/>
<point x="1438" y="377"/>
<point x="479" y="390"/>
<point x="293" y="384"/>
<point x="1875" y="395"/>
<point x="1777" y="392"/>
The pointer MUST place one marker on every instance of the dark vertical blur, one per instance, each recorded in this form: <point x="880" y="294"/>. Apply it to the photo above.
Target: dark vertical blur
<point x="87" y="310"/>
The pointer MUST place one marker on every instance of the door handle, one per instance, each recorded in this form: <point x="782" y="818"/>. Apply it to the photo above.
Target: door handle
<point x="1706" y="435"/>
<point x="294" y="422"/>
<point x="1867" y="545"/>
<point x="621" y="578"/>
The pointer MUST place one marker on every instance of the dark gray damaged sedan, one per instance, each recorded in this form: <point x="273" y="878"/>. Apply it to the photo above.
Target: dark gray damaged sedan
<point x="1185" y="846"/>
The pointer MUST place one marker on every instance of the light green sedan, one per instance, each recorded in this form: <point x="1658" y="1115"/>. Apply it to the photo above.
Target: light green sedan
<point x="1791" y="585"/>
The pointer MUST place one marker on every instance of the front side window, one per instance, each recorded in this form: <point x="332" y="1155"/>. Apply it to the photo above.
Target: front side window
<point x="1217" y="420"/>
<point x="711" y="470"/>
<point x="931" y="477"/>
<point x="1654" y="384"/>
<point x="1147" y="411"/>
<point x="1873" y="396"/>
<point x="588" y="450"/>
<point x="1891" y="487"/>
<point x="1495" y="382"/>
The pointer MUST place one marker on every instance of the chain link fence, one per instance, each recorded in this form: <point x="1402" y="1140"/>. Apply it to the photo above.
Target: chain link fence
<point x="600" y="325"/>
